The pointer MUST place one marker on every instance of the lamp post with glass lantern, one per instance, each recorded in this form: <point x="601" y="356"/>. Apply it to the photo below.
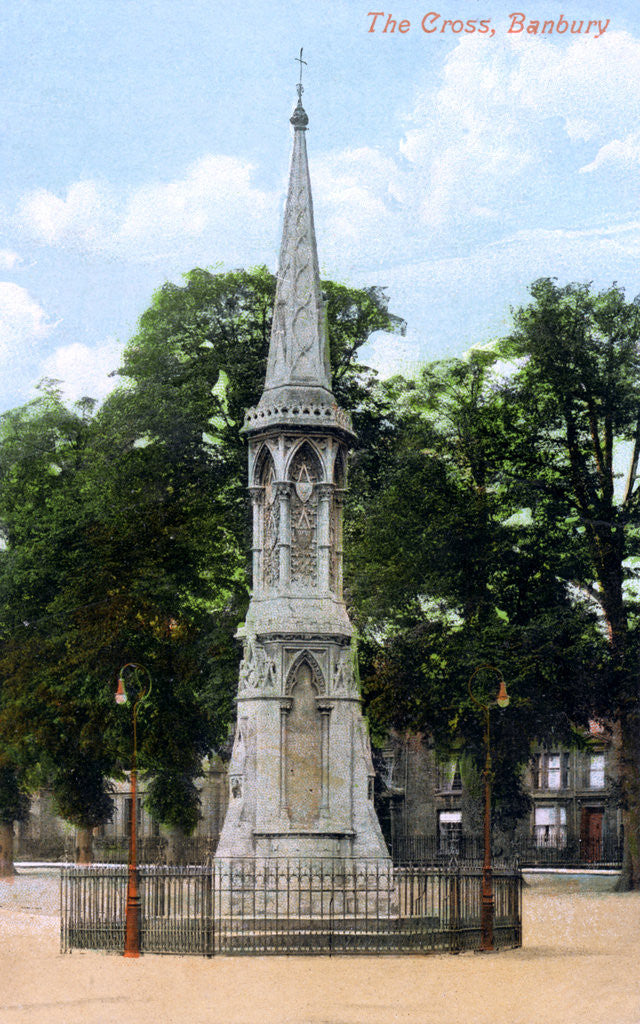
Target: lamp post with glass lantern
<point x="486" y="912"/>
<point x="139" y="694"/>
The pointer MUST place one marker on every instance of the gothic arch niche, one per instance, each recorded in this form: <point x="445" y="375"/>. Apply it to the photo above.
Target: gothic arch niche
<point x="304" y="747"/>
<point x="305" y="472"/>
<point x="266" y="474"/>
<point x="335" y="523"/>
<point x="257" y="470"/>
<point x="340" y="470"/>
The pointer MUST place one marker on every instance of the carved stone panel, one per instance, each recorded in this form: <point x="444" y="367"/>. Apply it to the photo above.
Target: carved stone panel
<point x="316" y="659"/>
<point x="303" y="751"/>
<point x="271" y="530"/>
<point x="304" y="474"/>
<point x="342" y="677"/>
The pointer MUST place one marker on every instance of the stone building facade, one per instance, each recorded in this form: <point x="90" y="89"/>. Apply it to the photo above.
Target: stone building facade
<point x="574" y="799"/>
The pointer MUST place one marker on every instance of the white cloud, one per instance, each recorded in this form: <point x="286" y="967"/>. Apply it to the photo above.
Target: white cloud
<point x="493" y="153"/>
<point x="502" y="124"/>
<point x="389" y="354"/>
<point x="592" y="88"/>
<point x="85" y="219"/>
<point x="23" y="322"/>
<point x="498" y="146"/>
<point x="623" y="153"/>
<point x="84" y="371"/>
<point x="357" y="195"/>
<point x="9" y="260"/>
<point x="215" y="199"/>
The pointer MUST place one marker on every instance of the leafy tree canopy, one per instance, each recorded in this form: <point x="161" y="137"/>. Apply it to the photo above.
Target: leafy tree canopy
<point x="126" y="541"/>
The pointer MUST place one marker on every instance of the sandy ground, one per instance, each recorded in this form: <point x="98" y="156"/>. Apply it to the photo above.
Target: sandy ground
<point x="580" y="964"/>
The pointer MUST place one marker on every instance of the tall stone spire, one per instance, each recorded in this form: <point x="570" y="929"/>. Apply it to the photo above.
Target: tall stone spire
<point x="297" y="385"/>
<point x="298" y="360"/>
<point x="301" y="774"/>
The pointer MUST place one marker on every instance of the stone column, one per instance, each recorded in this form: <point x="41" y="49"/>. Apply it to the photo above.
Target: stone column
<point x="338" y="498"/>
<point x="283" y="496"/>
<point x="285" y="708"/>
<point x="325" y="711"/>
<point x="257" y="496"/>
<point x="324" y="491"/>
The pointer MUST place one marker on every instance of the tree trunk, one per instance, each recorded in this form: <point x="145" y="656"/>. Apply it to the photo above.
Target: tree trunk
<point x="626" y="729"/>
<point x="627" y="741"/>
<point x="6" y="851"/>
<point x="84" y="846"/>
<point x="175" y="846"/>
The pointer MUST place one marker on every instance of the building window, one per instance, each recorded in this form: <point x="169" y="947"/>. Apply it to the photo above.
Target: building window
<point x="449" y="778"/>
<point x="552" y="771"/>
<point x="386" y="766"/>
<point x="596" y="771"/>
<point x="128" y="807"/>
<point x="449" y="831"/>
<point x="550" y="826"/>
<point x="554" y="777"/>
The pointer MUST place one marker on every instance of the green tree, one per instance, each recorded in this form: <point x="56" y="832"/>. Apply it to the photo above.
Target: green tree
<point x="448" y="574"/>
<point x="127" y="538"/>
<point x="40" y="454"/>
<point x="577" y="395"/>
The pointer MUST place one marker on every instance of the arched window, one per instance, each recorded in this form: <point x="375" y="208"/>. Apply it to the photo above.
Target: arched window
<point x="335" y="524"/>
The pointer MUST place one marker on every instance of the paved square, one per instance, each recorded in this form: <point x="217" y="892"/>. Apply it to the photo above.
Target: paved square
<point x="580" y="964"/>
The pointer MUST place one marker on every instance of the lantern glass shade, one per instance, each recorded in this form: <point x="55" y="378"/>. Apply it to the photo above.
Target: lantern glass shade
<point x="502" y="699"/>
<point x="121" y="695"/>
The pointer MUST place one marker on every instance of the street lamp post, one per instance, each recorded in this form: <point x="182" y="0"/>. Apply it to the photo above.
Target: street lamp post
<point x="132" y="913"/>
<point x="486" y="912"/>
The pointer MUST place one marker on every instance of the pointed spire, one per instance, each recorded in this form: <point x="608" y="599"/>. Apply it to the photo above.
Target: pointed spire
<point x="299" y="349"/>
<point x="297" y="387"/>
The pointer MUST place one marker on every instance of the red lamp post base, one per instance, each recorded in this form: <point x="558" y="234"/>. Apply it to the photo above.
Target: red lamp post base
<point x="132" y="917"/>
<point x="486" y="912"/>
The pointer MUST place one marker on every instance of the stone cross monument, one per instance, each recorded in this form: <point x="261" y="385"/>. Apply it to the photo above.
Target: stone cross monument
<point x="301" y="775"/>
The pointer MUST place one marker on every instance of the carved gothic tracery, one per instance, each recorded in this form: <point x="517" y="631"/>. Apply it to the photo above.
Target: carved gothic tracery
<point x="305" y="658"/>
<point x="335" y="526"/>
<point x="271" y="528"/>
<point x="304" y="474"/>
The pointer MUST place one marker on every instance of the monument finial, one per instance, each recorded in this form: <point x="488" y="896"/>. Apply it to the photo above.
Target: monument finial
<point x="301" y="62"/>
<point x="299" y="117"/>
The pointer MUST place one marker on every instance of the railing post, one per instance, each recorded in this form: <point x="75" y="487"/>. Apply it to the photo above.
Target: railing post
<point x="454" y="908"/>
<point x="63" y="909"/>
<point x="208" y="907"/>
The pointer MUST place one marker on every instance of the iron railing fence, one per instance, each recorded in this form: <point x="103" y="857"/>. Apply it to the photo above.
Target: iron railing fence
<point x="435" y="849"/>
<point x="572" y="852"/>
<point x="156" y="849"/>
<point x="464" y="850"/>
<point x="115" y="849"/>
<point x="55" y="849"/>
<point x="286" y="906"/>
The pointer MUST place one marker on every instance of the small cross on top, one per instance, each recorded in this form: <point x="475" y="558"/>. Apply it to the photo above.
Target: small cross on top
<point x="299" y="85"/>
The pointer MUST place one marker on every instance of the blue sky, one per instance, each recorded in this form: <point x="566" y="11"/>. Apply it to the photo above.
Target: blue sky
<point x="141" y="138"/>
